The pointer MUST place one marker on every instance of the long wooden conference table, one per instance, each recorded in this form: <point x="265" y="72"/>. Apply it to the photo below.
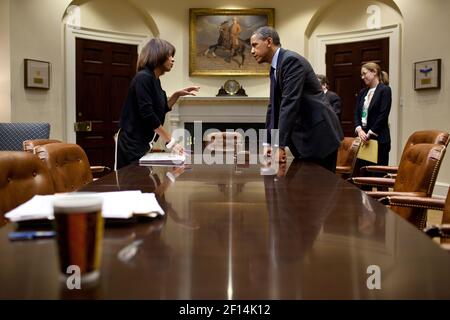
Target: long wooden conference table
<point x="231" y="233"/>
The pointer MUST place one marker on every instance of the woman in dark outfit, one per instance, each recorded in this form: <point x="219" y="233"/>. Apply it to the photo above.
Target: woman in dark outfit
<point x="146" y="105"/>
<point x="373" y="106"/>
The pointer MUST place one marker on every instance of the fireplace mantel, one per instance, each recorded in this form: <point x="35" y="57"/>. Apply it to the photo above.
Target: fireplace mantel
<point x="218" y="109"/>
<point x="189" y="100"/>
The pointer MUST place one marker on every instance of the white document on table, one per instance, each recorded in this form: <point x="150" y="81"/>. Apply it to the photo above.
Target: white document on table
<point x="116" y="205"/>
<point x="162" y="158"/>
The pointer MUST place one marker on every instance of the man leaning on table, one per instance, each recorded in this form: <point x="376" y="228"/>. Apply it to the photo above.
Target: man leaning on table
<point x="298" y="107"/>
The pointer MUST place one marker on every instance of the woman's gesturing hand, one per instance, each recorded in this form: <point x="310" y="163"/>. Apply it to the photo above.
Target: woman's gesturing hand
<point x="178" y="149"/>
<point x="189" y="91"/>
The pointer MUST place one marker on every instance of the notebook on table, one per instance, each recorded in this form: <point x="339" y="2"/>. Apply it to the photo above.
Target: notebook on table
<point x="162" y="158"/>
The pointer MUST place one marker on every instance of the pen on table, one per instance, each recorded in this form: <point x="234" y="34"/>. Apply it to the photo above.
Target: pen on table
<point x="30" y="235"/>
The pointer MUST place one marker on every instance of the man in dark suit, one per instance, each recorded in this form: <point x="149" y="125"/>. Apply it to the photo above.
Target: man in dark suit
<point x="333" y="98"/>
<point x="298" y="108"/>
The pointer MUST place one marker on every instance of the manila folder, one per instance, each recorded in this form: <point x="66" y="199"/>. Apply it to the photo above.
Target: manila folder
<point x="369" y="151"/>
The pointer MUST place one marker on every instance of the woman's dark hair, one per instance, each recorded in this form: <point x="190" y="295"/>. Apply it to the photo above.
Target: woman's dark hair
<point x="154" y="54"/>
<point x="374" y="67"/>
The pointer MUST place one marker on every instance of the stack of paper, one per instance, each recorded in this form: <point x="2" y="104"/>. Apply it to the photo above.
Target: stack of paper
<point x="162" y="158"/>
<point x="116" y="205"/>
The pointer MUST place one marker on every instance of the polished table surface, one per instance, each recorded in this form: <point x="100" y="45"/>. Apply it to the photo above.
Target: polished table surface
<point x="231" y="233"/>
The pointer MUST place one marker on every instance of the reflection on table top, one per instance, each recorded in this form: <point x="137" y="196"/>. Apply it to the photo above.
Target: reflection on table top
<point x="231" y="233"/>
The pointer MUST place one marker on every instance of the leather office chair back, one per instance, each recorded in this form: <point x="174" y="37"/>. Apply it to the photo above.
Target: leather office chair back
<point x="419" y="168"/>
<point x="346" y="157"/>
<point x="13" y="134"/>
<point x="438" y="137"/>
<point x="29" y="145"/>
<point x="22" y="176"/>
<point x="417" y="172"/>
<point x="68" y="164"/>
<point x="225" y="141"/>
<point x="426" y="136"/>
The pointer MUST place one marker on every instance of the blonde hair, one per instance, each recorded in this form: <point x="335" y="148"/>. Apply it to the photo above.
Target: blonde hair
<point x="374" y="67"/>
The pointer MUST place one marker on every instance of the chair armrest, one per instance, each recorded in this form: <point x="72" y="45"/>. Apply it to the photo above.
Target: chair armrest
<point x="343" y="169"/>
<point x="440" y="230"/>
<point x="381" y="169"/>
<point x="373" y="181"/>
<point x="382" y="194"/>
<point x="414" y="202"/>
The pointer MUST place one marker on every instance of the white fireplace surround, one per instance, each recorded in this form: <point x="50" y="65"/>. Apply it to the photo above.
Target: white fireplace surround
<point x="218" y="109"/>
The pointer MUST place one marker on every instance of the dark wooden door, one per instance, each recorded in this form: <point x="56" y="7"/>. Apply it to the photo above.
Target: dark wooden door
<point x="343" y="67"/>
<point x="103" y="73"/>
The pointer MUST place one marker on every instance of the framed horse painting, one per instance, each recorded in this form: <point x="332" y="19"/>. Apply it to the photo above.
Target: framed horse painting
<point x="220" y="41"/>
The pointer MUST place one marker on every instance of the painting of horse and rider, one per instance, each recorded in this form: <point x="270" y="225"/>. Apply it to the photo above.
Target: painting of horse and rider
<point x="220" y="41"/>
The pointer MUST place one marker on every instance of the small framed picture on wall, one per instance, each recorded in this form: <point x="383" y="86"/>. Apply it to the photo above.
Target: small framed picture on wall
<point x="427" y="74"/>
<point x="37" y="74"/>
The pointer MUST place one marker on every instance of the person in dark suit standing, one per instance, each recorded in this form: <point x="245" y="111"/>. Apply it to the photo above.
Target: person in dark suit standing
<point x="146" y="105"/>
<point x="373" y="106"/>
<point x="333" y="98"/>
<point x="298" y="108"/>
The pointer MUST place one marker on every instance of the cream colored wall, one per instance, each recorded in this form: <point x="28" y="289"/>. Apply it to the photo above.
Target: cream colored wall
<point x="425" y="36"/>
<point x="113" y="15"/>
<point x="338" y="18"/>
<point x="291" y="17"/>
<point x="419" y="110"/>
<point x="5" y="82"/>
<point x="40" y="36"/>
<point x="37" y="33"/>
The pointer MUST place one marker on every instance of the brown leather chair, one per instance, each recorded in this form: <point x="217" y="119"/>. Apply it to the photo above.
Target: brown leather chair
<point x="416" y="176"/>
<point x="29" y="145"/>
<point x="346" y="157"/>
<point x="438" y="137"/>
<point x="22" y="176"/>
<point x="68" y="164"/>
<point x="426" y="136"/>
<point x="427" y="203"/>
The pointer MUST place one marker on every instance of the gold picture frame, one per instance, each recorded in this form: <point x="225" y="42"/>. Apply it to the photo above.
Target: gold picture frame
<point x="37" y="74"/>
<point x="219" y="41"/>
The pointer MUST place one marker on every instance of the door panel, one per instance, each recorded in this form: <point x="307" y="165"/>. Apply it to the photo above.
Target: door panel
<point x="343" y="68"/>
<point x="344" y="83"/>
<point x="103" y="73"/>
<point x="118" y="95"/>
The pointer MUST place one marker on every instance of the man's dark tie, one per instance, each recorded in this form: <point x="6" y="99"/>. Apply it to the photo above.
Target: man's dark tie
<point x="272" y="99"/>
